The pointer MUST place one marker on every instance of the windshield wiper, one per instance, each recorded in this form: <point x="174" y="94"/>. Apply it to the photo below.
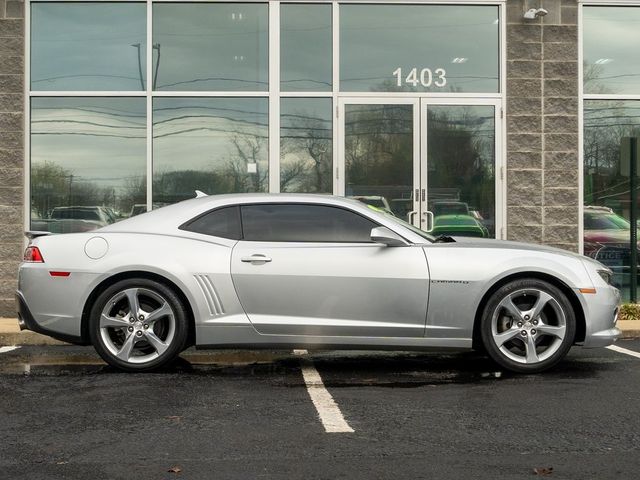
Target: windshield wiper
<point x="444" y="239"/>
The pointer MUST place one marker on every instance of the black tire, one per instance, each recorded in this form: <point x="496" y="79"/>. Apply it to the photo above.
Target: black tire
<point x="496" y="321"/>
<point x="150" y="291"/>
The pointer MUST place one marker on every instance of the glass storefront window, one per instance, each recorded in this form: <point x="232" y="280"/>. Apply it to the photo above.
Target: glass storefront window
<point x="306" y="148"/>
<point x="88" y="162"/>
<point x="88" y="46"/>
<point x="607" y="198"/>
<point x="204" y="77"/>
<point x="305" y="48"/>
<point x="207" y="46"/>
<point x="611" y="39"/>
<point x="420" y="48"/>
<point x="216" y="145"/>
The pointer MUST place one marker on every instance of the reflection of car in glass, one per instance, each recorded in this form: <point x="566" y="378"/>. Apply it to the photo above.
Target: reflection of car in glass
<point x="236" y="259"/>
<point x="458" y="225"/>
<point x="606" y="230"/>
<point x="607" y="238"/>
<point x="449" y="208"/>
<point x="139" y="208"/>
<point x="375" y="201"/>
<point x="99" y="215"/>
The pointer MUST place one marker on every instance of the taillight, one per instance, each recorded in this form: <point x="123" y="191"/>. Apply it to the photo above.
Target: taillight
<point x="32" y="254"/>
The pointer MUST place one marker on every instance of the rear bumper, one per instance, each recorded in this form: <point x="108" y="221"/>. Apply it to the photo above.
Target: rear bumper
<point x="28" y="322"/>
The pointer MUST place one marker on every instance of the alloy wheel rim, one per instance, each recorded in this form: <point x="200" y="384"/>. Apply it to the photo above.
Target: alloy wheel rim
<point x="137" y="325"/>
<point x="528" y="326"/>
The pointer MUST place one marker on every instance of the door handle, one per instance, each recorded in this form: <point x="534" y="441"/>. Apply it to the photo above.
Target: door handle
<point x="410" y="216"/>
<point x="258" y="259"/>
<point x="429" y="215"/>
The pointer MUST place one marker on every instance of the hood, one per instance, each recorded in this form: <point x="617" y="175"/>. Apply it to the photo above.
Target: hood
<point x="493" y="243"/>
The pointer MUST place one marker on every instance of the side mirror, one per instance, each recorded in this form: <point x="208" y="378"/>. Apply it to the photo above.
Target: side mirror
<point x="387" y="237"/>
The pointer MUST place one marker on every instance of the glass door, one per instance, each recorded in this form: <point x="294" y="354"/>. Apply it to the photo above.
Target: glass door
<point x="432" y="162"/>
<point x="459" y="184"/>
<point x="380" y="154"/>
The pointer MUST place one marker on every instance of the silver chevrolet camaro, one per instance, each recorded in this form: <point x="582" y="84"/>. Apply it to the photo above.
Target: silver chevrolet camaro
<point x="307" y="271"/>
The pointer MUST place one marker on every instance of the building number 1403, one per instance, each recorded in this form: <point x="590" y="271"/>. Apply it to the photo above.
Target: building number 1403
<point x="424" y="77"/>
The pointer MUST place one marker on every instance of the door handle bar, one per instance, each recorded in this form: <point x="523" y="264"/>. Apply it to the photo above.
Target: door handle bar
<point x="256" y="259"/>
<point x="429" y="214"/>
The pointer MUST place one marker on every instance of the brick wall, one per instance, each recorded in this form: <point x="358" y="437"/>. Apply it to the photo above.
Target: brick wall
<point x="542" y="123"/>
<point x="11" y="148"/>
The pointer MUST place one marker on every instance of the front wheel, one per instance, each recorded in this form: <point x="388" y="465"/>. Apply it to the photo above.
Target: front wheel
<point x="528" y="326"/>
<point x="138" y="325"/>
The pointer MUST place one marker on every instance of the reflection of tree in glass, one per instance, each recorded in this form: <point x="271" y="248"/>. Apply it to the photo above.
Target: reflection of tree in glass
<point x="461" y="142"/>
<point x="55" y="186"/>
<point x="592" y="75"/>
<point x="306" y="154"/>
<point x="379" y="153"/>
<point x="605" y="124"/>
<point x="232" y="176"/>
<point x="248" y="150"/>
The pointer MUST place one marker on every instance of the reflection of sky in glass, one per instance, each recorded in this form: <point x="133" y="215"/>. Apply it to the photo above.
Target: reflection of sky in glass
<point x="377" y="39"/>
<point x="305" y="40"/>
<point x="222" y="141"/>
<point x="306" y="145"/>
<point x="210" y="46"/>
<point x="101" y="141"/>
<point x="88" y="46"/>
<point x="611" y="41"/>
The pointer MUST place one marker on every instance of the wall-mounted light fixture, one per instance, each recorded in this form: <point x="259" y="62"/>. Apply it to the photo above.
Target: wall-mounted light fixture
<point x="534" y="13"/>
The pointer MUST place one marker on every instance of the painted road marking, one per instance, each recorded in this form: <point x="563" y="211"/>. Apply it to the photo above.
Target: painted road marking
<point x="618" y="349"/>
<point x="8" y="349"/>
<point x="330" y="414"/>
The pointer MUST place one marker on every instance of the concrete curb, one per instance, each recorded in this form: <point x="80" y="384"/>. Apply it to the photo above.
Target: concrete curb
<point x="10" y="333"/>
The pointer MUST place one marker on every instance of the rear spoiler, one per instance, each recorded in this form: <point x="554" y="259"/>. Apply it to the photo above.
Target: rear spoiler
<point x="31" y="234"/>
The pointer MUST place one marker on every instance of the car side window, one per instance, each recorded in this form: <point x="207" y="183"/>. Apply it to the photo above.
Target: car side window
<point x="304" y="223"/>
<point x="222" y="222"/>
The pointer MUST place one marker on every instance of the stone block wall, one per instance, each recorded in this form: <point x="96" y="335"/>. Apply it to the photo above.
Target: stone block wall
<point x="542" y="123"/>
<point x="11" y="149"/>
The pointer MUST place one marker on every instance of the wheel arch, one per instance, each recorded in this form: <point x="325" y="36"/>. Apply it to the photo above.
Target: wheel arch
<point x="113" y="279"/>
<point x="570" y="294"/>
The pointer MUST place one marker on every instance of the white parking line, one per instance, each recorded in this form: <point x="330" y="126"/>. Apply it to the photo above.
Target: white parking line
<point x="330" y="414"/>
<point x="615" y="348"/>
<point x="8" y="349"/>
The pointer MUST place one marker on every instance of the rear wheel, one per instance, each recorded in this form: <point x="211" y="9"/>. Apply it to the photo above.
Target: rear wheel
<point x="528" y="326"/>
<point x="138" y="325"/>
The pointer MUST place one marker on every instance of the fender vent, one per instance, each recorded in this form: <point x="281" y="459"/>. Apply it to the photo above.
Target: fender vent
<point x="210" y="294"/>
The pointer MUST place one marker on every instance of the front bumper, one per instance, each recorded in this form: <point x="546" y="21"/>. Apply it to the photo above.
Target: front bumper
<point x="27" y="322"/>
<point x="601" y="315"/>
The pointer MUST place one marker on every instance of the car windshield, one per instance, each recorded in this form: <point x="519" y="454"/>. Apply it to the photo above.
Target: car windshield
<point x="605" y="221"/>
<point x="392" y="218"/>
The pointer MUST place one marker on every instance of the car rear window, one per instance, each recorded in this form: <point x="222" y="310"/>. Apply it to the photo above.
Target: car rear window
<point x="223" y="222"/>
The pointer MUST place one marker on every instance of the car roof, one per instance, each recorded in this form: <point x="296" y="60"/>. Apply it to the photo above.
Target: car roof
<point x="167" y="219"/>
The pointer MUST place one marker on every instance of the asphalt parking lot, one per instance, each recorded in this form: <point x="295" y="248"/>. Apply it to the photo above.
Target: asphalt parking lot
<point x="270" y="414"/>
